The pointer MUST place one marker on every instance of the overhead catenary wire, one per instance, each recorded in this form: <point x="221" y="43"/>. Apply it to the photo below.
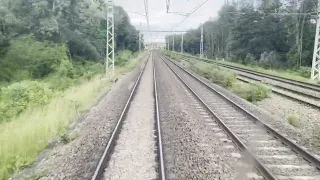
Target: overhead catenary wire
<point x="189" y="14"/>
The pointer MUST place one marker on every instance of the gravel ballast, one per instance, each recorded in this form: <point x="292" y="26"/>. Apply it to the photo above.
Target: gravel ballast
<point x="79" y="158"/>
<point x="194" y="145"/>
<point x="267" y="117"/>
<point x="250" y="136"/>
<point x="135" y="153"/>
<point x="307" y="117"/>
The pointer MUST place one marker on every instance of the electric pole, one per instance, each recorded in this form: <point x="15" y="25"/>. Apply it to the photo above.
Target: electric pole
<point x="110" y="38"/>
<point x="201" y="42"/>
<point x="173" y="43"/>
<point x="315" y="71"/>
<point x="140" y="38"/>
<point x="182" y="44"/>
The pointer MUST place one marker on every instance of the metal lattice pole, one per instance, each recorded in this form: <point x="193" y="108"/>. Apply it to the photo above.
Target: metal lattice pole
<point x="110" y="38"/>
<point x="315" y="71"/>
<point x="182" y="44"/>
<point x="201" y="42"/>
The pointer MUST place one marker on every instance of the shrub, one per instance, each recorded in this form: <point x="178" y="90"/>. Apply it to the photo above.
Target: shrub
<point x="249" y="59"/>
<point x="304" y="72"/>
<point x="39" y="58"/>
<point x="123" y="57"/>
<point x="18" y="96"/>
<point x="215" y="75"/>
<point x="252" y="92"/>
<point x="293" y="120"/>
<point x="269" y="60"/>
<point x="224" y="78"/>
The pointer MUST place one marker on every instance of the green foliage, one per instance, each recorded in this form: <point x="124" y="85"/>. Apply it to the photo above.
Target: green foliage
<point x="18" y="96"/>
<point x="123" y="57"/>
<point x="293" y="120"/>
<point x="215" y="75"/>
<point x="273" y="41"/>
<point x="252" y="92"/>
<point x="249" y="59"/>
<point x="34" y="59"/>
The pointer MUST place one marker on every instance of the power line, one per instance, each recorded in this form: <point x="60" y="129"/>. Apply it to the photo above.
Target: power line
<point x="193" y="11"/>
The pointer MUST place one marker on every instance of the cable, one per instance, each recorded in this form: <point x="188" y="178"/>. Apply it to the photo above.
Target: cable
<point x="189" y="14"/>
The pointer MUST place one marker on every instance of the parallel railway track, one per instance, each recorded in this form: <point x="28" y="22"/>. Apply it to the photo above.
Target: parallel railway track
<point x="311" y="98"/>
<point x="103" y="163"/>
<point x="274" y="155"/>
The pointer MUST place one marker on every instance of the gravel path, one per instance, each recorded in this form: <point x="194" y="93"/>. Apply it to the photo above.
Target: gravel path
<point x="194" y="145"/>
<point x="79" y="158"/>
<point x="134" y="154"/>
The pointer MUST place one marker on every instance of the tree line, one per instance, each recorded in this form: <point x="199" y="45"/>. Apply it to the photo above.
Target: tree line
<point x="38" y="36"/>
<point x="274" y="34"/>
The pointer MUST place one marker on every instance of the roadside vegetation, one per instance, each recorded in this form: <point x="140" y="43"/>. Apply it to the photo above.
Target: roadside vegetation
<point x="52" y="68"/>
<point x="252" y="92"/>
<point x="279" y="45"/>
<point x="38" y="114"/>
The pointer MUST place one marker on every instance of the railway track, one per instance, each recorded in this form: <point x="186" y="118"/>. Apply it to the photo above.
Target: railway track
<point x="296" y="90"/>
<point x="274" y="155"/>
<point x="112" y="143"/>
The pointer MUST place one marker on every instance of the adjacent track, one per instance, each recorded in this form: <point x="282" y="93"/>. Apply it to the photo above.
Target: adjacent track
<point x="304" y="85"/>
<point x="307" y="98"/>
<point x="103" y="163"/>
<point x="274" y="155"/>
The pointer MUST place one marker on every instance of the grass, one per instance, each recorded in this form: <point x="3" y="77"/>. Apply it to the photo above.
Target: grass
<point x="293" y="120"/>
<point x="252" y="92"/>
<point x="25" y="136"/>
<point x="299" y="75"/>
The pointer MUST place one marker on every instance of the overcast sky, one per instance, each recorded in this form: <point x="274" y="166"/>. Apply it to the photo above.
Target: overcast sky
<point x="160" y="20"/>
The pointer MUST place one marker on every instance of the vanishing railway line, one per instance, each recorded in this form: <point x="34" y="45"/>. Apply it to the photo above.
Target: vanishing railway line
<point x="112" y="143"/>
<point x="306" y="93"/>
<point x="275" y="156"/>
<point x="261" y="151"/>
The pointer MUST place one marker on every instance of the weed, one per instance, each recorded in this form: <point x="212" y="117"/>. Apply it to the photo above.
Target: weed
<point x="293" y="120"/>
<point x="252" y="92"/>
<point x="32" y="130"/>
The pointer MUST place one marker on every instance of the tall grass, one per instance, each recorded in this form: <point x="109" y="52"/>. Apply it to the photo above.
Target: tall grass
<point x="25" y="136"/>
<point x="28" y="134"/>
<point x="251" y="92"/>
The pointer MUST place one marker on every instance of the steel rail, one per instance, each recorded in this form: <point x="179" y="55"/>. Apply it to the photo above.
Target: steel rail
<point x="161" y="169"/>
<point x="306" y="155"/>
<point x="285" y="95"/>
<point x="270" y="76"/>
<point x="278" y="86"/>
<point x="110" y="146"/>
<point x="261" y="168"/>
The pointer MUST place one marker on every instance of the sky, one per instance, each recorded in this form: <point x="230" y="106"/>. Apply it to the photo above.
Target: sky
<point x="160" y="20"/>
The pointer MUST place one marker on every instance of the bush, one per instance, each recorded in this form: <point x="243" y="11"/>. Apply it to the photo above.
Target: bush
<point x="269" y="60"/>
<point x="38" y="58"/>
<point x="18" y="96"/>
<point x="249" y="59"/>
<point x="304" y="72"/>
<point x="293" y="120"/>
<point x="215" y="75"/>
<point x="252" y="92"/>
<point x="123" y="57"/>
<point x="224" y="78"/>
